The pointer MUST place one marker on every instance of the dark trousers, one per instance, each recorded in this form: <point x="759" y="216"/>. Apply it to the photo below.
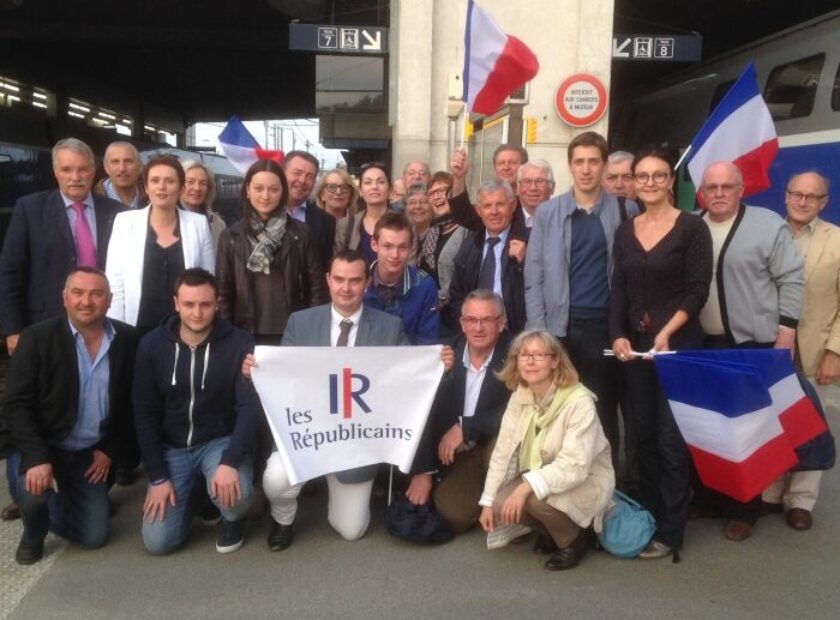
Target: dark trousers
<point x="713" y="501"/>
<point x="81" y="512"/>
<point x="585" y="342"/>
<point x="661" y="453"/>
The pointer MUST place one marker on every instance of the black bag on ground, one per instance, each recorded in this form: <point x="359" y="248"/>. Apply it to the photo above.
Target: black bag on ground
<point x="418" y="524"/>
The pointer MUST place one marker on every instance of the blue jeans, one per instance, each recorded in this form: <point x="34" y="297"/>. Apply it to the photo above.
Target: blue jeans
<point x="79" y="511"/>
<point x="185" y="465"/>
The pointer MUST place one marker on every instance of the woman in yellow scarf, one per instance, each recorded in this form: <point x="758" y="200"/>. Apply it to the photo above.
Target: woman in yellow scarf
<point x="551" y="468"/>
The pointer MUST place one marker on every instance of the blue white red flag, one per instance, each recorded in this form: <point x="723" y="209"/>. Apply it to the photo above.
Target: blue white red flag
<point x="241" y="148"/>
<point x="739" y="130"/>
<point x="495" y="63"/>
<point x="741" y="412"/>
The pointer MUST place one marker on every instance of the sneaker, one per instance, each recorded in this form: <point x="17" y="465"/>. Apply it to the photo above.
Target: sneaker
<point x="209" y="514"/>
<point x="231" y="536"/>
<point x="280" y="536"/>
<point x="655" y="550"/>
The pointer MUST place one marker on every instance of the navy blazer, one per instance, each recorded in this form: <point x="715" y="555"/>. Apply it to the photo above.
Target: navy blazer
<point x="39" y="253"/>
<point x="322" y="225"/>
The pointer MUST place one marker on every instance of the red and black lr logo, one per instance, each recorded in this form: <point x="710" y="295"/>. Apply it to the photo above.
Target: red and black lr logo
<point x="345" y="392"/>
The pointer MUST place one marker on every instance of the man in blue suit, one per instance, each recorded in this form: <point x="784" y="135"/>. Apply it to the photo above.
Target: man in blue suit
<point x="302" y="172"/>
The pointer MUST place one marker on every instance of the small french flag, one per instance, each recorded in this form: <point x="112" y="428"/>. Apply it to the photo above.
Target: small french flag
<point x="495" y="63"/>
<point x="241" y="148"/>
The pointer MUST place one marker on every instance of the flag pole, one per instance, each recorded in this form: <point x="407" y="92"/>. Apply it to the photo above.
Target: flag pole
<point x="682" y="158"/>
<point x="464" y="126"/>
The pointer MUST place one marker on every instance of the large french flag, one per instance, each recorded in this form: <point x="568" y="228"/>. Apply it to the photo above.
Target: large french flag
<point x="241" y="148"/>
<point x="741" y="412"/>
<point x="495" y="63"/>
<point x="740" y="130"/>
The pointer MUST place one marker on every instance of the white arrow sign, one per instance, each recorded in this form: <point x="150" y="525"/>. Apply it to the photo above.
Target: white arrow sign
<point x="373" y="43"/>
<point x="618" y="50"/>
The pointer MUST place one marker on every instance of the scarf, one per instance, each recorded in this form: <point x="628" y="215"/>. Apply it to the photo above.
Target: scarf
<point x="269" y="236"/>
<point x="428" y="250"/>
<point x="538" y="417"/>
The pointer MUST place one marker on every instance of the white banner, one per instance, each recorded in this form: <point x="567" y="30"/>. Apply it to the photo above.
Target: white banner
<point x="332" y="409"/>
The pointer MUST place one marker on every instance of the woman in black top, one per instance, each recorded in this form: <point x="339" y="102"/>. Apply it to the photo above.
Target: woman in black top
<point x="662" y="269"/>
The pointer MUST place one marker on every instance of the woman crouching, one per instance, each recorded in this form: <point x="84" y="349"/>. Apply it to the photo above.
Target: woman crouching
<point x="551" y="468"/>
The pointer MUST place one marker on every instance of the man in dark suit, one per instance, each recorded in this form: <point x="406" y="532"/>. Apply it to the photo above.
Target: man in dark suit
<point x="492" y="257"/>
<point x="46" y="240"/>
<point x="466" y="415"/>
<point x="41" y="245"/>
<point x="301" y="172"/>
<point x="67" y="408"/>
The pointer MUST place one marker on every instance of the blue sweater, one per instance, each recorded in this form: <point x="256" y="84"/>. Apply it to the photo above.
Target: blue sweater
<point x="415" y="303"/>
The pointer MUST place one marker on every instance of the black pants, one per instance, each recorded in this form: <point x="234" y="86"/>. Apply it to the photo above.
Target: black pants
<point x="661" y="453"/>
<point x="585" y="342"/>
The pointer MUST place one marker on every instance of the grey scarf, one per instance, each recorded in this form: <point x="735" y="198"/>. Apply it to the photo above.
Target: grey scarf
<point x="269" y="238"/>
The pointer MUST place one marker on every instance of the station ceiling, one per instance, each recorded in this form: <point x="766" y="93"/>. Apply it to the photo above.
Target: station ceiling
<point x="206" y="59"/>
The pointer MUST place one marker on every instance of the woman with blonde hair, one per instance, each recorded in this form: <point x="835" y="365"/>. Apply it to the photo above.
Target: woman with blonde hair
<point x="337" y="194"/>
<point x="198" y="194"/>
<point x="550" y="469"/>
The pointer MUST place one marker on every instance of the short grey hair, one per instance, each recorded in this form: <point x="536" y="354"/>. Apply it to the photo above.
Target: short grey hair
<point x="616" y="157"/>
<point x="123" y="143"/>
<point x="494" y="185"/>
<point x="189" y="164"/>
<point x="539" y="164"/>
<point x="417" y="161"/>
<point x="822" y="179"/>
<point x="75" y="145"/>
<point x="739" y="178"/>
<point x="414" y="189"/>
<point x="483" y="294"/>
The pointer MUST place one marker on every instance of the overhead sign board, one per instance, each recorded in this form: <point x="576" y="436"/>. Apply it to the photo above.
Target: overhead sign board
<point x="581" y="100"/>
<point x="338" y="39"/>
<point x="667" y="47"/>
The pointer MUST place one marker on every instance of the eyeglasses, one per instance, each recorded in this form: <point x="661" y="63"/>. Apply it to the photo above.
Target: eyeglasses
<point x="337" y="188"/>
<point x="726" y="188"/>
<point x="812" y="200"/>
<point x="534" y="182"/>
<point x="658" y="177"/>
<point x="476" y="321"/>
<point x="441" y="191"/>
<point x="626" y="177"/>
<point x="537" y="357"/>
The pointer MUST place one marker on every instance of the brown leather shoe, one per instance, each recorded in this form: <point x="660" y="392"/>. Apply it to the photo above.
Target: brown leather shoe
<point x="738" y="530"/>
<point x="10" y="512"/>
<point x="799" y="519"/>
<point x="569" y="556"/>
<point x="769" y="508"/>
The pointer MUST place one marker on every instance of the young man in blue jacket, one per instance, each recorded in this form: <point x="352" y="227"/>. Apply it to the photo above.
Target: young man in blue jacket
<point x="195" y="416"/>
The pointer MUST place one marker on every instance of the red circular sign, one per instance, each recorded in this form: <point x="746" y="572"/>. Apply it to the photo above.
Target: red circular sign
<point x="580" y="100"/>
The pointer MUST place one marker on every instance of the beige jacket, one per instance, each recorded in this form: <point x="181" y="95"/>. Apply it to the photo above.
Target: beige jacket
<point x="577" y="475"/>
<point x="819" y="322"/>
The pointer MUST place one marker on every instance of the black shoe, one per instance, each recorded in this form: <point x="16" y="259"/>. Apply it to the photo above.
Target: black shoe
<point x="125" y="477"/>
<point x="29" y="553"/>
<point x="209" y="514"/>
<point x="544" y="545"/>
<point x="280" y="536"/>
<point x="231" y="536"/>
<point x="570" y="556"/>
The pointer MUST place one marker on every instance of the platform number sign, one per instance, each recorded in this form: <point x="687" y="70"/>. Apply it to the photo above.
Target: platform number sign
<point x="327" y="38"/>
<point x="663" y="48"/>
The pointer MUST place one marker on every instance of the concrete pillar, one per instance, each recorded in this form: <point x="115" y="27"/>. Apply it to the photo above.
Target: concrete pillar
<point x="427" y="49"/>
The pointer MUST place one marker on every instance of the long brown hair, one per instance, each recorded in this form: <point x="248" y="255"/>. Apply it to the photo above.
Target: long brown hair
<point x="262" y="165"/>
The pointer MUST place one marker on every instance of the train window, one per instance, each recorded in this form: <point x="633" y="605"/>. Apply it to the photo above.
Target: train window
<point x="791" y="88"/>
<point x="720" y="90"/>
<point x="835" y="92"/>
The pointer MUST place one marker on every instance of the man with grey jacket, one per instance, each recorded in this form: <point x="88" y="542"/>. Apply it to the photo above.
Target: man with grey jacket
<point x="754" y="298"/>
<point x="568" y="268"/>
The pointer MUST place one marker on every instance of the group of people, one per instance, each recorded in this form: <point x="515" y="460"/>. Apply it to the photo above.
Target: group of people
<point x="124" y="343"/>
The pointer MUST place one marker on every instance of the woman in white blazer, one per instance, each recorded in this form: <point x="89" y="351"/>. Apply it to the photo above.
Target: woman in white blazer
<point x="150" y="247"/>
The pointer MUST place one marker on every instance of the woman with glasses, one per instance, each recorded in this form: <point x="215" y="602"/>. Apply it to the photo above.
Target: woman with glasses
<point x="336" y="193"/>
<point x="355" y="231"/>
<point x="198" y="194"/>
<point x="550" y="469"/>
<point x="418" y="208"/>
<point x="662" y="269"/>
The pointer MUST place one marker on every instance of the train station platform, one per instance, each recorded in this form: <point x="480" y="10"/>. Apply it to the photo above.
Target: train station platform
<point x="778" y="573"/>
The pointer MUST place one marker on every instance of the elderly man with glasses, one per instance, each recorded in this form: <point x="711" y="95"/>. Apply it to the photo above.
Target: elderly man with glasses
<point x="754" y="299"/>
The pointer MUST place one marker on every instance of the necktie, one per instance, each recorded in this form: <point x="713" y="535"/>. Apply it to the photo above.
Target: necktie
<point x="85" y="250"/>
<point x="345" y="326"/>
<point x="487" y="273"/>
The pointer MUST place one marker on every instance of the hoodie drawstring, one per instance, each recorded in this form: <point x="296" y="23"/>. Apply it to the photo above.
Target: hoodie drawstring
<point x="206" y="361"/>
<point x="175" y="365"/>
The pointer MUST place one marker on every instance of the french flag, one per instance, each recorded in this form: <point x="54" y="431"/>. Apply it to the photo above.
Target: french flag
<point x="742" y="413"/>
<point x="740" y="130"/>
<point x="241" y="148"/>
<point x="495" y="63"/>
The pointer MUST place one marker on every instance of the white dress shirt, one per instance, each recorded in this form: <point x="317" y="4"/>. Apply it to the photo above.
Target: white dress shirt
<point x="335" y="326"/>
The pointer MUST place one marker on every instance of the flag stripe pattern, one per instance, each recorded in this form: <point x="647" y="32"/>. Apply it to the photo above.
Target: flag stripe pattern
<point x="241" y="148"/>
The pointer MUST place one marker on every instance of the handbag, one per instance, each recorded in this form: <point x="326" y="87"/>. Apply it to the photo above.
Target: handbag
<point x="418" y="524"/>
<point x="627" y="528"/>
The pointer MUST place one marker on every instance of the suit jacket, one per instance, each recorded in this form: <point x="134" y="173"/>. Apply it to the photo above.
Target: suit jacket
<point x="819" y="321"/>
<point x="311" y="328"/>
<point x="448" y="406"/>
<point x="42" y="391"/>
<point x="464" y="213"/>
<point x="465" y="279"/>
<point x="39" y="252"/>
<point x="322" y="226"/>
<point x="125" y="256"/>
